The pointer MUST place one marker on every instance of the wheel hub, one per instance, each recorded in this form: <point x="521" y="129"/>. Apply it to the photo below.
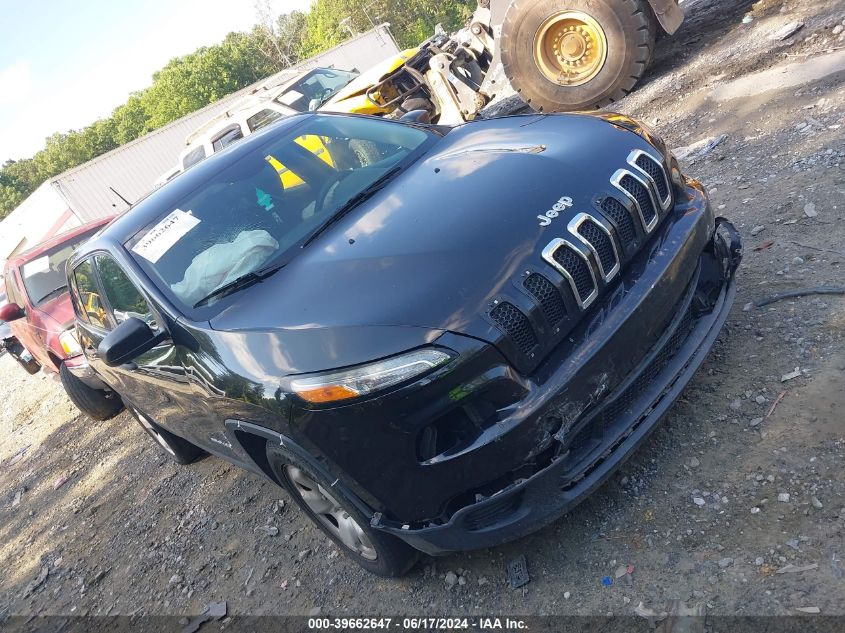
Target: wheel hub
<point x="331" y="514"/>
<point x="570" y="48"/>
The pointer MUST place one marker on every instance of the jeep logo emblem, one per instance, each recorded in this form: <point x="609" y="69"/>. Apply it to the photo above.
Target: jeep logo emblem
<point x="561" y="205"/>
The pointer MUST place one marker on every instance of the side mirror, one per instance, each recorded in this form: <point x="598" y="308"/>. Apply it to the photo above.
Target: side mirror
<point x="416" y="116"/>
<point x="127" y="341"/>
<point x="11" y="312"/>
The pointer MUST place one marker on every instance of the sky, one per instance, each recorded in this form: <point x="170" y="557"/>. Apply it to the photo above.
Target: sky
<point x="64" y="64"/>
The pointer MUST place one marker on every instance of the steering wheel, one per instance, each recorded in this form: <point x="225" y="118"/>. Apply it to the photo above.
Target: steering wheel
<point x="328" y="187"/>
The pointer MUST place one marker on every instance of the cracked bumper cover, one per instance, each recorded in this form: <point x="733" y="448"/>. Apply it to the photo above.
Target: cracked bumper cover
<point x="600" y="443"/>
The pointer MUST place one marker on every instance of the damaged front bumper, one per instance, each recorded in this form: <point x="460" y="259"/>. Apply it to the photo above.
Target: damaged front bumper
<point x="592" y="441"/>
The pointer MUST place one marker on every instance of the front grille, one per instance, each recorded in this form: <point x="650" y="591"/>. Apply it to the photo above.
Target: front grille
<point x="617" y="212"/>
<point x="602" y="244"/>
<point x="641" y="195"/>
<point x="651" y="167"/>
<point x="516" y="325"/>
<point x="547" y="296"/>
<point x="577" y="269"/>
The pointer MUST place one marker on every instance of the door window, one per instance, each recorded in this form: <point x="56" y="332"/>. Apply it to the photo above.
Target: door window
<point x="88" y="303"/>
<point x="122" y="295"/>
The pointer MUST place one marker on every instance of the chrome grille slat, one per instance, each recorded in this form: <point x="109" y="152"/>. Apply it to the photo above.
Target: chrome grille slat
<point x="647" y="211"/>
<point x="570" y="262"/>
<point x="654" y="173"/>
<point x="599" y="240"/>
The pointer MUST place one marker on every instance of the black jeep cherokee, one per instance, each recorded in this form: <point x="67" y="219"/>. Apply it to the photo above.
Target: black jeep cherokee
<point x="434" y="338"/>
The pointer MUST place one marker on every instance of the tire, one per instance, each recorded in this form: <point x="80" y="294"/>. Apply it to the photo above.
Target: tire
<point x="628" y="26"/>
<point x="96" y="404"/>
<point x="177" y="449"/>
<point x="378" y="553"/>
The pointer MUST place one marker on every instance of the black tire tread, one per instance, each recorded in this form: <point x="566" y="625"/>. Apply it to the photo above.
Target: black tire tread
<point x="97" y="405"/>
<point x="645" y="31"/>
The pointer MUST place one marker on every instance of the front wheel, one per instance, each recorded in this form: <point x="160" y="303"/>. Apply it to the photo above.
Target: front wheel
<point x="576" y="54"/>
<point x="97" y="404"/>
<point x="179" y="450"/>
<point x="328" y="507"/>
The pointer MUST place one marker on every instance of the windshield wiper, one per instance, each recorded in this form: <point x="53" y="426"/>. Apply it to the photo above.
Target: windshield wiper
<point x="353" y="202"/>
<point x="52" y="292"/>
<point x="238" y="283"/>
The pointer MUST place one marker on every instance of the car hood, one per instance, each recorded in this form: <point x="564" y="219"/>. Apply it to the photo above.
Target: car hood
<point x="58" y="313"/>
<point x="448" y="235"/>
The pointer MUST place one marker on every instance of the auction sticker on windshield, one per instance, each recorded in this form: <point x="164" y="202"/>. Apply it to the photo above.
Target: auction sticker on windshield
<point x="161" y="238"/>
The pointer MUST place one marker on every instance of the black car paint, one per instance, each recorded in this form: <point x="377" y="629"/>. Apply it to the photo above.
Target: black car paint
<point x="420" y="263"/>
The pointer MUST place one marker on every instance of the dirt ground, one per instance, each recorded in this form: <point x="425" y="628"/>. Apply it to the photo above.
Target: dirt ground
<point x="740" y="488"/>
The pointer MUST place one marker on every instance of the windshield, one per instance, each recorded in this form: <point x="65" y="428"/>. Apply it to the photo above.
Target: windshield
<point x="44" y="277"/>
<point x="315" y="88"/>
<point x="262" y="208"/>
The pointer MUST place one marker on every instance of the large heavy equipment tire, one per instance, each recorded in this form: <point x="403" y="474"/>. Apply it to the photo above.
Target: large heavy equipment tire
<point x="96" y="404"/>
<point x="562" y="55"/>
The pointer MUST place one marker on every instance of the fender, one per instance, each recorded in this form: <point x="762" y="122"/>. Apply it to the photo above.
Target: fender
<point x="242" y="432"/>
<point x="668" y="13"/>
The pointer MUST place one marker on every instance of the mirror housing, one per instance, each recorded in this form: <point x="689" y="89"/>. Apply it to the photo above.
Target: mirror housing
<point x="11" y="312"/>
<point x="127" y="341"/>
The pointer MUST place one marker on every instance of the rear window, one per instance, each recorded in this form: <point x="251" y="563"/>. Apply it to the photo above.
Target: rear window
<point x="44" y="277"/>
<point x="260" y="209"/>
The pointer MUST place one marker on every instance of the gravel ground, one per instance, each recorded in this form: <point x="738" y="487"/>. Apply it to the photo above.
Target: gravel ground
<point x="735" y="504"/>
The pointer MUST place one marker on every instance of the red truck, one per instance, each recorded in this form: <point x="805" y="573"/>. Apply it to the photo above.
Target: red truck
<point x="40" y="315"/>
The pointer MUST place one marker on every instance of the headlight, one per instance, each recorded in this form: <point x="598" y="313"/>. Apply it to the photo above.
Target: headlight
<point x="362" y="380"/>
<point x="69" y="342"/>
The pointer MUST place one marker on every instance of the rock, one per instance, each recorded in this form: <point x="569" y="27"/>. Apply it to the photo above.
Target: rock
<point x="755" y="510"/>
<point x="269" y="530"/>
<point x="810" y="210"/>
<point x="760" y="400"/>
<point x="451" y="579"/>
<point x="755" y="422"/>
<point x="786" y="31"/>
<point x="315" y="611"/>
<point x="759" y="561"/>
<point x="793" y="543"/>
<point x="816" y="503"/>
<point x="175" y="579"/>
<point x="37" y="582"/>
<point x="17" y="500"/>
<point x="838" y="29"/>
<point x="783" y="497"/>
<point x="694" y="463"/>
<point x="303" y="554"/>
<point x="698" y="501"/>
<point x="621" y="571"/>
<point x="794" y="569"/>
<point x="757" y="230"/>
<point x="483" y="581"/>
<point x="791" y="375"/>
<point x="736" y="404"/>
<point x="797" y="261"/>
<point x="724" y="563"/>
<point x="566" y="595"/>
<point x="808" y="609"/>
<point x="462" y="581"/>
